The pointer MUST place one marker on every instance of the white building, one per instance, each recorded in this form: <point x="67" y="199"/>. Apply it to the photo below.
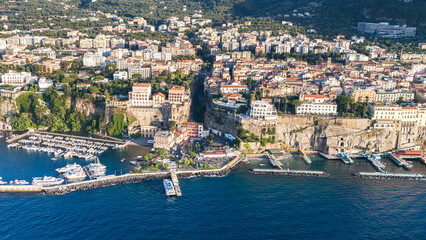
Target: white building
<point x="234" y="89"/>
<point x="140" y="95"/>
<point x="120" y="75"/>
<point x="317" y="108"/>
<point x="91" y="59"/>
<point x="393" y="96"/>
<point x="145" y="72"/>
<point x="408" y="114"/>
<point x="261" y="109"/>
<point x="44" y="84"/>
<point x="17" y="78"/>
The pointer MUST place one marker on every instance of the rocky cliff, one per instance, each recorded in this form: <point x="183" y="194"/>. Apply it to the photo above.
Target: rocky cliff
<point x="6" y="106"/>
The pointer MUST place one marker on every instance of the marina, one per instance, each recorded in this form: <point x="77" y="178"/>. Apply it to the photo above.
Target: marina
<point x="375" y="161"/>
<point x="61" y="145"/>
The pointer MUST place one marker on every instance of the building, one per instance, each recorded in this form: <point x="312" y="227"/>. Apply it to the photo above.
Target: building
<point x="91" y="59"/>
<point x="163" y="139"/>
<point x="144" y="71"/>
<point x="392" y="97"/>
<point x="262" y="109"/>
<point x="393" y="112"/>
<point x="140" y="95"/>
<point x="317" y="108"/>
<point x="158" y="99"/>
<point x="385" y="30"/>
<point x="363" y="95"/>
<point x="176" y="94"/>
<point x="17" y="78"/>
<point x="120" y="75"/>
<point x="234" y="89"/>
<point x="194" y="129"/>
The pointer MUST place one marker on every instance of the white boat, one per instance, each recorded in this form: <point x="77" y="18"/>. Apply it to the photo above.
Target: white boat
<point x="75" y="175"/>
<point x="54" y="159"/>
<point x="19" y="182"/>
<point x="68" y="167"/>
<point x="96" y="169"/>
<point x="169" y="188"/>
<point x="47" y="181"/>
<point x="2" y="182"/>
<point x="133" y="162"/>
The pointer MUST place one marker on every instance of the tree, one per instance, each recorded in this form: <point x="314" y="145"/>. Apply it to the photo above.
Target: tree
<point x="172" y="126"/>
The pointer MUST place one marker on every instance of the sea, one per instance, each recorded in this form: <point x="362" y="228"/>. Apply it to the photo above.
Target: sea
<point x="237" y="206"/>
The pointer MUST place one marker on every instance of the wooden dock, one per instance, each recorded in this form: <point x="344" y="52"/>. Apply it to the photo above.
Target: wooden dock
<point x="87" y="173"/>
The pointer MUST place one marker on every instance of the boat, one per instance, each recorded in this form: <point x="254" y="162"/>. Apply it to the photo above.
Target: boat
<point x="2" y="182"/>
<point x="47" y="181"/>
<point x="168" y="187"/>
<point x="96" y="169"/>
<point x="133" y="162"/>
<point x="75" y="175"/>
<point x="19" y="182"/>
<point x="408" y="165"/>
<point x="122" y="160"/>
<point x="54" y="159"/>
<point x="68" y="167"/>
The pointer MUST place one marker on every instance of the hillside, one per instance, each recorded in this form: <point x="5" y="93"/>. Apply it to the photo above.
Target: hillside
<point x="328" y="17"/>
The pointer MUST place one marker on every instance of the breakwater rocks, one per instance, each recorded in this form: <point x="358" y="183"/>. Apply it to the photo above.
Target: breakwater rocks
<point x="290" y="172"/>
<point x="129" y="178"/>
<point x="380" y="175"/>
<point x="103" y="182"/>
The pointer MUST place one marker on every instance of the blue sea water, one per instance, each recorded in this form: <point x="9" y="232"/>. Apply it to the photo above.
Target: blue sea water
<point x="237" y="206"/>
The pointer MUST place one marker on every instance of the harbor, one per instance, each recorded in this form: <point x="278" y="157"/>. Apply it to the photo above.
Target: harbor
<point x="62" y="145"/>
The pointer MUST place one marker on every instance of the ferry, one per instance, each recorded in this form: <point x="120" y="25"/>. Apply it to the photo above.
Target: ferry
<point x="19" y="182"/>
<point x="2" y="182"/>
<point x="47" y="181"/>
<point x="168" y="187"/>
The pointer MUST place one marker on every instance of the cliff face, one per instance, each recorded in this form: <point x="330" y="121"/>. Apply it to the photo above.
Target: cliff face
<point x="87" y="107"/>
<point x="332" y="135"/>
<point x="6" y="106"/>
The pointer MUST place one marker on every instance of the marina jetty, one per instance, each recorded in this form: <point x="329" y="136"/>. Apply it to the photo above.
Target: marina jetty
<point x="289" y="172"/>
<point x="131" y="178"/>
<point x="381" y="175"/>
<point x="21" y="188"/>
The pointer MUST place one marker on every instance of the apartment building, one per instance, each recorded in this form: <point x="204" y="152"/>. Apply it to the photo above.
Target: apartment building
<point x="140" y="95"/>
<point x="17" y="78"/>
<point x="176" y="94"/>
<point x="262" y="109"/>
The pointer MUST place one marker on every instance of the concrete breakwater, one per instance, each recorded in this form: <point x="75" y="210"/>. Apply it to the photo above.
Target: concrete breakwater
<point x="381" y="175"/>
<point x="290" y="172"/>
<point x="128" y="178"/>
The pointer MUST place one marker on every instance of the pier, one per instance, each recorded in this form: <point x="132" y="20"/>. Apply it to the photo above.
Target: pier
<point x="289" y="172"/>
<point x="329" y="157"/>
<point x="345" y="158"/>
<point x="380" y="175"/>
<point x="21" y="188"/>
<point x="305" y="157"/>
<point x="273" y="161"/>
<point x="377" y="164"/>
<point x="176" y="185"/>
<point x="87" y="172"/>
<point x="17" y="137"/>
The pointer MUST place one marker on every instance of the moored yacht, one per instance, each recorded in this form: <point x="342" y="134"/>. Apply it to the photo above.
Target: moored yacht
<point x="19" y="182"/>
<point x="2" y="182"/>
<point x="47" y="181"/>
